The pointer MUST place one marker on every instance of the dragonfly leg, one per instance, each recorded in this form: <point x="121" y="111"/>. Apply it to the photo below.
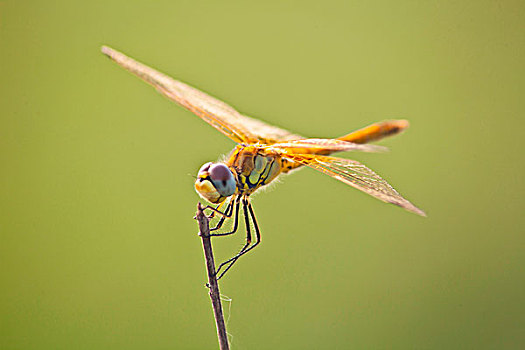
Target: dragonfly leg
<point x="226" y="215"/>
<point x="235" y="219"/>
<point x="247" y="208"/>
<point x="215" y="210"/>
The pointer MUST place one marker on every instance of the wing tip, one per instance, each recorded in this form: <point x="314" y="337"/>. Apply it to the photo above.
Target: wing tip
<point x="109" y="52"/>
<point x="411" y="208"/>
<point x="106" y="50"/>
<point x="419" y="212"/>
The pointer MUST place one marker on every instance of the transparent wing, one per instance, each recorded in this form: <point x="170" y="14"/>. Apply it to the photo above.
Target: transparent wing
<point x="356" y="175"/>
<point x="323" y="147"/>
<point x="218" y="114"/>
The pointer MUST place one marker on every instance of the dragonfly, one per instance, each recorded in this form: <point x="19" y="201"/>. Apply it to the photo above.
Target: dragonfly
<point x="262" y="153"/>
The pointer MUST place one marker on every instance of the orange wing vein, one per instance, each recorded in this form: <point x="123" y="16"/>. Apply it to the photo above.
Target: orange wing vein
<point x="218" y="114"/>
<point x="323" y="147"/>
<point x="356" y="175"/>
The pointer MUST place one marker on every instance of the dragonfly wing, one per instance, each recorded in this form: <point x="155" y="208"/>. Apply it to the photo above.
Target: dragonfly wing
<point x="266" y="133"/>
<point x="356" y="175"/>
<point x="323" y="147"/>
<point x="218" y="114"/>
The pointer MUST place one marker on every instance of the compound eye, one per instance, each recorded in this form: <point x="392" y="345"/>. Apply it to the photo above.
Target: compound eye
<point x="219" y="172"/>
<point x="204" y="168"/>
<point x="222" y="178"/>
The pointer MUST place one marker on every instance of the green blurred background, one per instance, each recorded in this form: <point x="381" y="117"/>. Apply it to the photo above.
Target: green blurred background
<point x="98" y="246"/>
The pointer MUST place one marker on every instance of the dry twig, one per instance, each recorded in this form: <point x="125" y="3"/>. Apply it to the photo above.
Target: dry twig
<point x="215" y="296"/>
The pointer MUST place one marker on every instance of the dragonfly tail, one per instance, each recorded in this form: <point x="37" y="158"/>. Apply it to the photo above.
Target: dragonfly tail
<point x="376" y="131"/>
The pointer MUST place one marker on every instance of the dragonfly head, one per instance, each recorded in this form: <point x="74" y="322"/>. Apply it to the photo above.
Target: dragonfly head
<point x="215" y="182"/>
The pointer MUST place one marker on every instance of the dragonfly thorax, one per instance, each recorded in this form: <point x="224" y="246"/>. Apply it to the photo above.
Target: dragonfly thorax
<point x="254" y="166"/>
<point x="215" y="182"/>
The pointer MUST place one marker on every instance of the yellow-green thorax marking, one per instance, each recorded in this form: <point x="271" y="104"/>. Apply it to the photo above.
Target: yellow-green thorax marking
<point x="254" y="167"/>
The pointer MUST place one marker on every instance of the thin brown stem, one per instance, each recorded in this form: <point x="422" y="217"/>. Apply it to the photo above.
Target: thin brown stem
<point x="215" y="296"/>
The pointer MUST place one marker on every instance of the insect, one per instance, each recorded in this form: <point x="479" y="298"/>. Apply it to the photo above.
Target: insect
<point x="263" y="152"/>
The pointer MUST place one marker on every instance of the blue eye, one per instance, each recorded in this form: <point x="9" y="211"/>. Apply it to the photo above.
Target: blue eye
<point x="219" y="172"/>
<point x="222" y="178"/>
